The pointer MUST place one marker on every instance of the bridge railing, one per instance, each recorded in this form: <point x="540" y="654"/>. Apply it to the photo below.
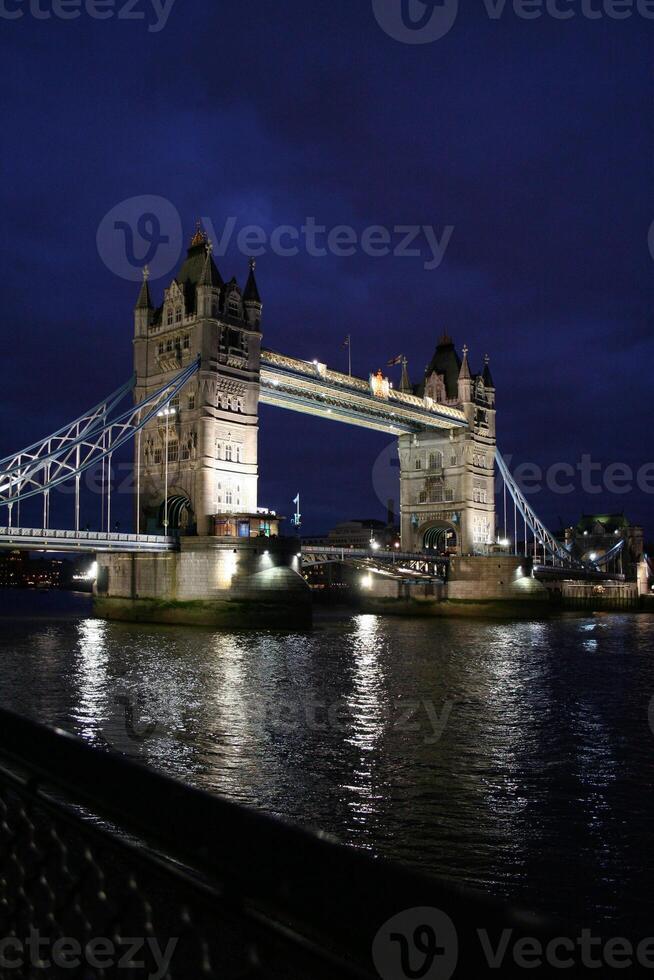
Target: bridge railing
<point x="378" y="555"/>
<point x="96" y="849"/>
<point x="68" y="535"/>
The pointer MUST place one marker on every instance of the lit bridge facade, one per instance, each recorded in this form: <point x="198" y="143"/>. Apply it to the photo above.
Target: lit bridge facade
<point x="191" y="415"/>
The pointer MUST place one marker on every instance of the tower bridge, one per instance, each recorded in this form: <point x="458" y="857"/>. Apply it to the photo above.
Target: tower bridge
<point x="201" y="539"/>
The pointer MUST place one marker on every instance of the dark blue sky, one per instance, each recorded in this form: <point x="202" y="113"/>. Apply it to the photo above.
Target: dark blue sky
<point x="533" y="139"/>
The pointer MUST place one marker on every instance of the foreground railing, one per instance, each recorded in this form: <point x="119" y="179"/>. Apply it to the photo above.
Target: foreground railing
<point x="109" y="869"/>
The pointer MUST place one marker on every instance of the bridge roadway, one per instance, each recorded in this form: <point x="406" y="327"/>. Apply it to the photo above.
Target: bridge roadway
<point x="51" y="539"/>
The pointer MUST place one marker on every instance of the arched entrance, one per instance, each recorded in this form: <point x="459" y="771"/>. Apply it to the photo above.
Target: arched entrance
<point x="180" y="513"/>
<point x="439" y="537"/>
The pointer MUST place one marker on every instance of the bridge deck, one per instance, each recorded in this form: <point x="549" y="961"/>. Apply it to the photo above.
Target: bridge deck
<point x="304" y="386"/>
<point x="48" y="539"/>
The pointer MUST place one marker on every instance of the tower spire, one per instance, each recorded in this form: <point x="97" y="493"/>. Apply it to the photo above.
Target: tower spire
<point x="464" y="373"/>
<point x="252" y="299"/>
<point x="144" y="301"/>
<point x="487" y="377"/>
<point x="405" y="383"/>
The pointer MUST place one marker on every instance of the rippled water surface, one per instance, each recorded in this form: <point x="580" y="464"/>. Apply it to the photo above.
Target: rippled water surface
<point x="517" y="757"/>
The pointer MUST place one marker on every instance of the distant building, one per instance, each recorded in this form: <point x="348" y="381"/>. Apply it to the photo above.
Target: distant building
<point x="596" y="534"/>
<point x="18" y="570"/>
<point x="359" y="534"/>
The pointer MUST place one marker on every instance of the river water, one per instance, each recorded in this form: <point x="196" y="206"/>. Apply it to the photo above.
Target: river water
<point x="516" y="757"/>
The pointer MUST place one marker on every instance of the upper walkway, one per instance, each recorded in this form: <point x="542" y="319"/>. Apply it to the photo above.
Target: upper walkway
<point x="311" y="387"/>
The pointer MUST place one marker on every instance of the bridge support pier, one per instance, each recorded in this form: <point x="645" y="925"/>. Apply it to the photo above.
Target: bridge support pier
<point x="209" y="582"/>
<point x="499" y="587"/>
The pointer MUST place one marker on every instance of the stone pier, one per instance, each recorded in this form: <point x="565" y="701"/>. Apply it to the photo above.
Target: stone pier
<point x="496" y="586"/>
<point x="211" y="581"/>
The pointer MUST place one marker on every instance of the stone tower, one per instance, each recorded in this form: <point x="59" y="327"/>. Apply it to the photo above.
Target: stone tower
<point x="447" y="485"/>
<point x="208" y="441"/>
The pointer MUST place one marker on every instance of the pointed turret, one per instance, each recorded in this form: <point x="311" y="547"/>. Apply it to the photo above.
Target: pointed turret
<point x="144" y="310"/>
<point x="465" y="378"/>
<point x="252" y="299"/>
<point x="487" y="377"/>
<point x="405" y="383"/>
<point x="209" y="284"/>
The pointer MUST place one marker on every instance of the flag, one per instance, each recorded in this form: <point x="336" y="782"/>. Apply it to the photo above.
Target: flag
<point x="297" y="500"/>
<point x="395" y="360"/>
<point x="346" y="342"/>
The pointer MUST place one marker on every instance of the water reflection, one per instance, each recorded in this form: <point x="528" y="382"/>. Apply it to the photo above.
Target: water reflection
<point x="512" y="756"/>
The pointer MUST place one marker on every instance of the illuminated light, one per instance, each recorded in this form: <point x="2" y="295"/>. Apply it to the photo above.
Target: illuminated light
<point x="397" y="544"/>
<point x="593" y="556"/>
<point x="504" y="543"/>
<point x="366" y="582"/>
<point x="299" y="554"/>
<point x="266" y="552"/>
<point x="585" y="534"/>
<point x="374" y="545"/>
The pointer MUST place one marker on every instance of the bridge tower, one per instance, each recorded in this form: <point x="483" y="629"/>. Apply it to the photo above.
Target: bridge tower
<point x="447" y="485"/>
<point x="207" y="443"/>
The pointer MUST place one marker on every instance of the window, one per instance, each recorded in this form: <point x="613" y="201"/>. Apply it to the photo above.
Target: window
<point x="239" y="404"/>
<point x="160" y="348"/>
<point x="186" y="452"/>
<point x="228" y="402"/>
<point x="157" y="456"/>
<point x="233" y="308"/>
<point x="238" y="454"/>
<point x="169" y="346"/>
<point x="228" y="452"/>
<point x="178" y="316"/>
<point x="435" y="460"/>
<point x="169" y="318"/>
<point x="422" y="497"/>
<point x="174" y="403"/>
<point x="453" y="459"/>
<point x="186" y="343"/>
<point x="173" y="450"/>
<point x="418" y="463"/>
<point x="228" y="496"/>
<point x="219" y="450"/>
<point x="191" y="401"/>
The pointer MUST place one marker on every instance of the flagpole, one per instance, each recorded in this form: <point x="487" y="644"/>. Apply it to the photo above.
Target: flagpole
<point x="349" y="355"/>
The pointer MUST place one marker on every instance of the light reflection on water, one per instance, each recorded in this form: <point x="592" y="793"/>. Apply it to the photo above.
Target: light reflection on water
<point x="516" y="757"/>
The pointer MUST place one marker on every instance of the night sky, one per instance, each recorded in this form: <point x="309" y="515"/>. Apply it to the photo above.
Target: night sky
<point x="531" y="138"/>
